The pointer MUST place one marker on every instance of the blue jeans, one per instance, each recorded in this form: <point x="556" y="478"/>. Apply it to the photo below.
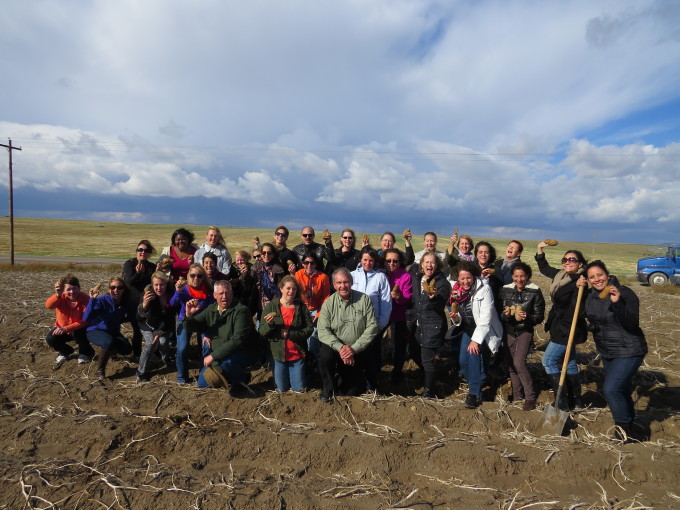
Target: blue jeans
<point x="474" y="366"/>
<point x="232" y="367"/>
<point x="109" y="342"/>
<point x="183" y="338"/>
<point x="150" y="348"/>
<point x="289" y="375"/>
<point x="618" y="385"/>
<point x="553" y="358"/>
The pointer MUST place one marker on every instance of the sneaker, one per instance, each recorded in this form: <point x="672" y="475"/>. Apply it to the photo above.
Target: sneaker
<point x="326" y="397"/>
<point x="471" y="401"/>
<point x="61" y="359"/>
<point x="83" y="358"/>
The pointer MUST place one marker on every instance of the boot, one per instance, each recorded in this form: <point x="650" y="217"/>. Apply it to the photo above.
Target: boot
<point x="573" y="384"/>
<point x="102" y="360"/>
<point x="562" y="405"/>
<point x="429" y="386"/>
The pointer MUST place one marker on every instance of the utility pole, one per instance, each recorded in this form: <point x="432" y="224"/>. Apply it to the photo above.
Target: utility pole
<point x="11" y="200"/>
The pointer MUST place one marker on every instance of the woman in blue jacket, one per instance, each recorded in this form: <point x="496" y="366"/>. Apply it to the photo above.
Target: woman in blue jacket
<point x="105" y="314"/>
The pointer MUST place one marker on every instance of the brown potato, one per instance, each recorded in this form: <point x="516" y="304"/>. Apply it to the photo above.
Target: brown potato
<point x="551" y="242"/>
<point x="273" y="314"/>
<point x="395" y="288"/>
<point x="605" y="292"/>
<point x="516" y="313"/>
<point x="454" y="307"/>
<point x="364" y="238"/>
<point x="490" y="270"/>
<point x="148" y="288"/>
<point x="456" y="232"/>
<point x="406" y="233"/>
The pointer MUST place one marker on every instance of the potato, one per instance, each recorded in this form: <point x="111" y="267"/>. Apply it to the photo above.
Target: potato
<point x="551" y="242"/>
<point x="454" y="307"/>
<point x="605" y="292"/>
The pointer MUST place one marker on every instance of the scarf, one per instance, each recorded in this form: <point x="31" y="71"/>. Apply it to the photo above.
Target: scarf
<point x="459" y="294"/>
<point x="470" y="256"/>
<point x="561" y="279"/>
<point x="269" y="289"/>
<point x="201" y="293"/>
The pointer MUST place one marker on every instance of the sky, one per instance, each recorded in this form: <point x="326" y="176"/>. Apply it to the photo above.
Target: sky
<point x="505" y="119"/>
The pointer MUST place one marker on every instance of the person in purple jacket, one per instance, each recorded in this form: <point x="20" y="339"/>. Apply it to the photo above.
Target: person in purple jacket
<point x="401" y="291"/>
<point x="196" y="288"/>
<point x="105" y="314"/>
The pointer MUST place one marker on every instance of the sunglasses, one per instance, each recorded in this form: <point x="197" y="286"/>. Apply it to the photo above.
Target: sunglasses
<point x="143" y="250"/>
<point x="391" y="261"/>
<point x="281" y="234"/>
<point x="307" y="235"/>
<point x="307" y="262"/>
<point x="347" y="237"/>
<point x="196" y="275"/>
<point x="266" y="253"/>
<point x="116" y="287"/>
<point x="569" y="259"/>
<point x="257" y="256"/>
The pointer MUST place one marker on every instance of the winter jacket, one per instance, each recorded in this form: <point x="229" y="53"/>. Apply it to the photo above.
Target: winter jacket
<point x="314" y="289"/>
<point x="338" y="258"/>
<point x="102" y="313"/>
<point x="157" y="318"/>
<point x="616" y="326"/>
<point x="180" y="298"/>
<point x="488" y="327"/>
<point x="532" y="302"/>
<point x="229" y="331"/>
<point x="300" y="330"/>
<point x="430" y="314"/>
<point x="561" y="314"/>
<point x="137" y="281"/>
<point x="375" y="285"/>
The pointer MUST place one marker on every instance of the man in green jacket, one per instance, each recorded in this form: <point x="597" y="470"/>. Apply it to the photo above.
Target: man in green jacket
<point x="230" y="345"/>
<point x="346" y="327"/>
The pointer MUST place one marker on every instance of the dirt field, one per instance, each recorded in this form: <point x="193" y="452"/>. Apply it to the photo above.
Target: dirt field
<point x="71" y="442"/>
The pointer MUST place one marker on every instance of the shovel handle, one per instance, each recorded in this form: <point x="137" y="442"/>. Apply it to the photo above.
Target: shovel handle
<point x="570" y="342"/>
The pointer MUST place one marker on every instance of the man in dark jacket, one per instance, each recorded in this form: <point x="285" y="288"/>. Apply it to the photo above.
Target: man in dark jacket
<point x="231" y="343"/>
<point x="309" y="247"/>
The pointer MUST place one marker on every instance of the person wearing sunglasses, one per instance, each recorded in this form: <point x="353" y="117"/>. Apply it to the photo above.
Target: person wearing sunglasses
<point x="563" y="294"/>
<point x="401" y="291"/>
<point x="315" y="288"/>
<point x="310" y="247"/>
<point x="137" y="273"/>
<point x="198" y="289"/>
<point x="105" y="314"/>
<point x="347" y="255"/>
<point x="287" y="257"/>
<point x="267" y="273"/>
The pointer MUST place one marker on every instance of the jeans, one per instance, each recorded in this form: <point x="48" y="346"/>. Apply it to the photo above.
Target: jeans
<point x="474" y="366"/>
<point x="149" y="349"/>
<point x="183" y="337"/>
<point x="232" y="367"/>
<point x="554" y="356"/>
<point x="289" y="375"/>
<point x="516" y="351"/>
<point x="109" y="342"/>
<point x="618" y="385"/>
<point x="60" y="343"/>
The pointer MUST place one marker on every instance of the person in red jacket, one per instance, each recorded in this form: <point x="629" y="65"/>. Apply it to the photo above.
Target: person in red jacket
<point x="69" y="303"/>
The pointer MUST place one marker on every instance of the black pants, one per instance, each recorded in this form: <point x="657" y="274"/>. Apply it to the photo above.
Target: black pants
<point x="353" y="380"/>
<point x="60" y="343"/>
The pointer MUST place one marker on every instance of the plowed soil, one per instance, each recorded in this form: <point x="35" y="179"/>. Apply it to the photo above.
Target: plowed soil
<point x="69" y="441"/>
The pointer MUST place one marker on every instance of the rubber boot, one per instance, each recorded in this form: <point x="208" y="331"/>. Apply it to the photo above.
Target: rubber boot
<point x="102" y="360"/>
<point x="563" y="404"/>
<point x="573" y="383"/>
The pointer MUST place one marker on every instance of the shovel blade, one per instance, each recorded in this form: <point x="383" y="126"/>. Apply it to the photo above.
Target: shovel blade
<point x="553" y="420"/>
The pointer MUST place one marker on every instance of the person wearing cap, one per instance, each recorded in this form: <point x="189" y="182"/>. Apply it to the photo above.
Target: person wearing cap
<point x="229" y="345"/>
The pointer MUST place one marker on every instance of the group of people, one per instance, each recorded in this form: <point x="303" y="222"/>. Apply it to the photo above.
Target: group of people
<point x="315" y="308"/>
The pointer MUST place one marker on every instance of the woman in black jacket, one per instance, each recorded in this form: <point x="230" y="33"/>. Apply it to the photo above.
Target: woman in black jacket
<point x="613" y="313"/>
<point x="156" y="320"/>
<point x="563" y="293"/>
<point x="137" y="273"/>
<point x="431" y="291"/>
<point x="523" y="308"/>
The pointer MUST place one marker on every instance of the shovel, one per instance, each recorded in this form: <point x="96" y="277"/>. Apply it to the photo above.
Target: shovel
<point x="553" y="418"/>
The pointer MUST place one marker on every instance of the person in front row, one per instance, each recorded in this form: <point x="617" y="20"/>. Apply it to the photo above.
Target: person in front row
<point x="347" y="325"/>
<point x="230" y="344"/>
